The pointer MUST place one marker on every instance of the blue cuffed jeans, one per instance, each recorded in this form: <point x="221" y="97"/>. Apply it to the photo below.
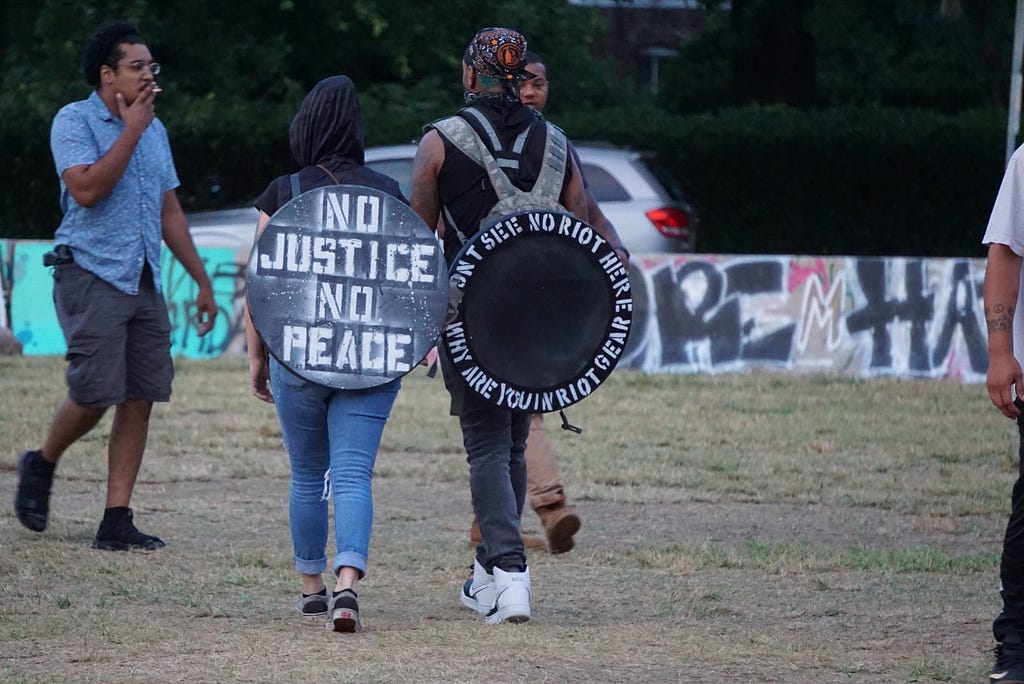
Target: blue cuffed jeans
<point x="495" y="441"/>
<point x="337" y="430"/>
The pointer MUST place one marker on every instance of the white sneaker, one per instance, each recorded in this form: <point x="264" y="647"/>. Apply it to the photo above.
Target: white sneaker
<point x="511" y="598"/>
<point x="478" y="592"/>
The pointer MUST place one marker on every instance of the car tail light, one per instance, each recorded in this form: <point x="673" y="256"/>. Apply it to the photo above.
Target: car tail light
<point x="671" y="222"/>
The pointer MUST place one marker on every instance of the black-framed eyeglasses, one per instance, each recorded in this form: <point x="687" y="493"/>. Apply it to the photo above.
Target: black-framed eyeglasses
<point x="138" y="65"/>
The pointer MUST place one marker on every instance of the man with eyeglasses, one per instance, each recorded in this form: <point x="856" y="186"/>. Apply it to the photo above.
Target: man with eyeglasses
<point x="117" y="181"/>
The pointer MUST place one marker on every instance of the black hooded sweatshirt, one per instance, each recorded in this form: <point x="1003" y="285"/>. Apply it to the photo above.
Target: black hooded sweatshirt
<point x="327" y="131"/>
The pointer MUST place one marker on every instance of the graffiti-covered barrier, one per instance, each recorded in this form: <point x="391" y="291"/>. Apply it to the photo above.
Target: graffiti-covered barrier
<point x="695" y="313"/>
<point x="857" y="316"/>
<point x="28" y="289"/>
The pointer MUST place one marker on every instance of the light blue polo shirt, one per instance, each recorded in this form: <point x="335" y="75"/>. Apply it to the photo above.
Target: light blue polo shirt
<point x="115" y="238"/>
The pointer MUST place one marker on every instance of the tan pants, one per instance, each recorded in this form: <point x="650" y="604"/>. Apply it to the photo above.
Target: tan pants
<point x="543" y="481"/>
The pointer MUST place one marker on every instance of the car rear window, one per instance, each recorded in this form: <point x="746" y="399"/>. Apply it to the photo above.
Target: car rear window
<point x="399" y="169"/>
<point x="603" y="186"/>
<point x="662" y="178"/>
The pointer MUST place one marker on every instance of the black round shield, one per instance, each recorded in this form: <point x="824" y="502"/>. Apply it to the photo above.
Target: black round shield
<point x="544" y="311"/>
<point x="346" y="287"/>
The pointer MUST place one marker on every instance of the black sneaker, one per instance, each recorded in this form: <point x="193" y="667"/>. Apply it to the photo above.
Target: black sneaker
<point x="122" y="535"/>
<point x="344" y="612"/>
<point x="313" y="604"/>
<point x="35" y="479"/>
<point x="1009" y="667"/>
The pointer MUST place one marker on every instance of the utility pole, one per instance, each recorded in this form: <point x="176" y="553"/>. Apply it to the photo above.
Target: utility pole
<point x="1013" y="119"/>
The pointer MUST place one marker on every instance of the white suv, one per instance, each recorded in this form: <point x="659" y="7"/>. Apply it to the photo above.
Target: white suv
<point x="643" y="205"/>
<point x="641" y="202"/>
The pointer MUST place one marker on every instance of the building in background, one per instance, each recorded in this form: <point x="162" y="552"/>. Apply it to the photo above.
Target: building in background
<point x="643" y="34"/>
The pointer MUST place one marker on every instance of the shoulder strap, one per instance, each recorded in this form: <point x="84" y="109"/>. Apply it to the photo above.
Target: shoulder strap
<point x="549" y="181"/>
<point x="501" y="155"/>
<point x="293" y="179"/>
<point x="459" y="133"/>
<point x="552" y="173"/>
<point x="328" y="172"/>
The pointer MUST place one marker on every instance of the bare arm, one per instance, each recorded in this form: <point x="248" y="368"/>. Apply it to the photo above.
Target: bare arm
<point x="259" y="369"/>
<point x="574" y="193"/>
<point x="179" y="241"/>
<point x="596" y="217"/>
<point x="89" y="184"/>
<point x="1002" y="285"/>
<point x="425" y="196"/>
<point x="605" y="228"/>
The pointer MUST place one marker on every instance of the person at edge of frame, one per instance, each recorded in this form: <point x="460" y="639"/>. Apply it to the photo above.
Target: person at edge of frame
<point x="1002" y="294"/>
<point x="117" y="181"/>
<point x="494" y="437"/>
<point x="325" y="429"/>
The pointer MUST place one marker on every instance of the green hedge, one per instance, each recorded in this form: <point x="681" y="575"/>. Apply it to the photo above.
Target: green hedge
<point x="765" y="180"/>
<point x="853" y="181"/>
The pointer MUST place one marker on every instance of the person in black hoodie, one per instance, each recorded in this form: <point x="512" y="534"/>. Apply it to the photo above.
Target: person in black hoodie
<point x="324" y="428"/>
<point x="450" y="187"/>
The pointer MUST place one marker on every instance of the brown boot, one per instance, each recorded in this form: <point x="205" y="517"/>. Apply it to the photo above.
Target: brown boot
<point x="560" y="524"/>
<point x="532" y="543"/>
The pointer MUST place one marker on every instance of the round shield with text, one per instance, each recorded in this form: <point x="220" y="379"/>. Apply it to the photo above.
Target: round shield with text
<point x="347" y="287"/>
<point x="544" y="311"/>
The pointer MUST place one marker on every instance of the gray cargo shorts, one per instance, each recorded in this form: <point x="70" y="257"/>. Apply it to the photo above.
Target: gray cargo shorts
<point x="119" y="345"/>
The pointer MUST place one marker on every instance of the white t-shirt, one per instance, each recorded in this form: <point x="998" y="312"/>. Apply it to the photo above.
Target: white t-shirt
<point x="1006" y="227"/>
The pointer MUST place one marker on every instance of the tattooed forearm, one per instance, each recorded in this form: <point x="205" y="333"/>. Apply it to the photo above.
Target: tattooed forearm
<point x="999" y="318"/>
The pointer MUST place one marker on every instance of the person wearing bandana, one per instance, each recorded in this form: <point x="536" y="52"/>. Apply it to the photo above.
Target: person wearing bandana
<point x="545" y="490"/>
<point x="451" y="191"/>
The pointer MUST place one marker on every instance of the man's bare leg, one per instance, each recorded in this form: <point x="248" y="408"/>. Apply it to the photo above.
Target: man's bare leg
<point x="124" y="452"/>
<point x="71" y="422"/>
<point x="117" y="531"/>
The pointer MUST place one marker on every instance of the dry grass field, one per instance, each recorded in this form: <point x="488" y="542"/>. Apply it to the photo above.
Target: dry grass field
<point x="736" y="528"/>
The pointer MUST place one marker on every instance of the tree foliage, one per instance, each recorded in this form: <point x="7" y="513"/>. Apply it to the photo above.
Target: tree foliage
<point x="235" y="72"/>
<point x="947" y="55"/>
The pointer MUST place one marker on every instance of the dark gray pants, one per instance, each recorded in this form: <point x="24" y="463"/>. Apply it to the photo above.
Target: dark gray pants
<point x="495" y="441"/>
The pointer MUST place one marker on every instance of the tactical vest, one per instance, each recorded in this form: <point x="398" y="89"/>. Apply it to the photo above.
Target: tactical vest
<point x="546" y="191"/>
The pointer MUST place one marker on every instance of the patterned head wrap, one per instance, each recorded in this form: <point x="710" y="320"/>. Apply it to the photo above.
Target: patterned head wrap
<point x="497" y="53"/>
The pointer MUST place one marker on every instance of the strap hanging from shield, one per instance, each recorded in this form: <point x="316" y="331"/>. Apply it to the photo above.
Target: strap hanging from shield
<point x="544" y="308"/>
<point x="347" y="287"/>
